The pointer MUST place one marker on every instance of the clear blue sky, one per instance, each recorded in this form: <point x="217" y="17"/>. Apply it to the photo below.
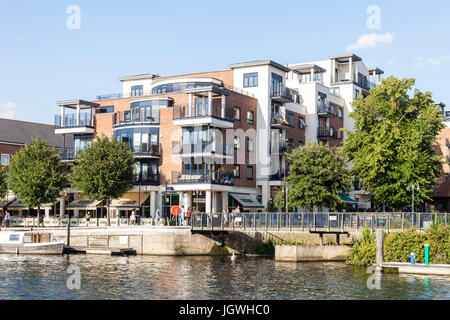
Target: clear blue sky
<point x="42" y="61"/>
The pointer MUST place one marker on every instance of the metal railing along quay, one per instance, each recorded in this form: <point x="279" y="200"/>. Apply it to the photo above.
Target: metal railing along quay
<point x="323" y="221"/>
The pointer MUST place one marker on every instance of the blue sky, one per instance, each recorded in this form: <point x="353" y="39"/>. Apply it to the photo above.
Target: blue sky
<point x="42" y="61"/>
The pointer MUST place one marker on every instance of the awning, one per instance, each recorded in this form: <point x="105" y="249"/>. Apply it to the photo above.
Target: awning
<point x="83" y="204"/>
<point x="247" y="201"/>
<point x="130" y="201"/>
<point x="19" y="205"/>
<point x="347" y="199"/>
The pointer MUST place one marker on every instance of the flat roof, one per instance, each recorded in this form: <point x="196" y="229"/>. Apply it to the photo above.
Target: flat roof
<point x="376" y="70"/>
<point x="307" y="68"/>
<point x="259" y="63"/>
<point x="139" y="77"/>
<point x="346" y="56"/>
<point x="75" y="102"/>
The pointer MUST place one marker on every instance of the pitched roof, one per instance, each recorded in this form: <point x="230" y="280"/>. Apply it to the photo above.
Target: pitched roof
<point x="22" y="132"/>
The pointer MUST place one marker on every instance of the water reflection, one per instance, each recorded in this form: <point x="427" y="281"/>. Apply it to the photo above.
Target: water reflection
<point x="105" y="277"/>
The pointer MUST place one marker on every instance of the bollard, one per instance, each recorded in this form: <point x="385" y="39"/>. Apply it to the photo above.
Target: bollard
<point x="379" y="251"/>
<point x="413" y="258"/>
<point x="427" y="254"/>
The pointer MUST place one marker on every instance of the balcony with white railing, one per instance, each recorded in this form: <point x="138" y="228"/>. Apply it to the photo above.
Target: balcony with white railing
<point x="79" y="122"/>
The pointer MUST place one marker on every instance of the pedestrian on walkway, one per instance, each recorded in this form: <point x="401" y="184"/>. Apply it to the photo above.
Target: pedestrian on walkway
<point x="88" y="219"/>
<point x="158" y="216"/>
<point x="7" y="218"/>
<point x="133" y="217"/>
<point x="188" y="216"/>
<point x="181" y="217"/>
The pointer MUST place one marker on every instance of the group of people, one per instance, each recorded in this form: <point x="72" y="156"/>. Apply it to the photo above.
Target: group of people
<point x="184" y="217"/>
<point x="5" y="219"/>
<point x="227" y="216"/>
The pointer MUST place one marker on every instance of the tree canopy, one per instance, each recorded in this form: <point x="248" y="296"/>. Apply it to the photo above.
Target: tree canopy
<point x="3" y="182"/>
<point x="391" y="146"/>
<point x="317" y="175"/>
<point x="104" y="170"/>
<point x="36" y="175"/>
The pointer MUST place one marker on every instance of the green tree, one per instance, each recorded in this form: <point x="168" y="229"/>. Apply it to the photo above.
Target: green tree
<point x="3" y="182"/>
<point x="391" y="147"/>
<point x="317" y="175"/>
<point x="36" y="174"/>
<point x="104" y="171"/>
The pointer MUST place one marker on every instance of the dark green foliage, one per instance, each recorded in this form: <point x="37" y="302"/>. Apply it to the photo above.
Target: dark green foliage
<point x="104" y="170"/>
<point x="36" y="175"/>
<point x="317" y="174"/>
<point x="398" y="246"/>
<point x="265" y="247"/>
<point x="391" y="146"/>
<point x="3" y="182"/>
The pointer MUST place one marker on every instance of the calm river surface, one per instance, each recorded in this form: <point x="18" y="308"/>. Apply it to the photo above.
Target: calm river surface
<point x="106" y="277"/>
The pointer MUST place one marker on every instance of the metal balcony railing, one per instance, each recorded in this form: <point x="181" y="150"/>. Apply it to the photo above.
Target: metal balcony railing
<point x="327" y="109"/>
<point x="128" y="118"/>
<point x="70" y="121"/>
<point x="206" y="147"/>
<point x="326" y="133"/>
<point x="284" y="93"/>
<point x="145" y="149"/>
<point x="199" y="111"/>
<point x="66" y="154"/>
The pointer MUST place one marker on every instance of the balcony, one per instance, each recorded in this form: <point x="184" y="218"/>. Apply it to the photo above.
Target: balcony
<point x="150" y="180"/>
<point x="145" y="150"/>
<point x="218" y="116"/>
<point x="282" y="95"/>
<point x="327" y="110"/>
<point x="195" y="177"/>
<point x="326" y="133"/>
<point x="123" y="119"/>
<point x="70" y="124"/>
<point x="278" y="121"/>
<point x="66" y="155"/>
<point x="207" y="149"/>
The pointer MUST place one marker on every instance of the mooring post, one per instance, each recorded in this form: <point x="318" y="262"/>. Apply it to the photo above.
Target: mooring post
<point x="68" y="234"/>
<point x="380" y="252"/>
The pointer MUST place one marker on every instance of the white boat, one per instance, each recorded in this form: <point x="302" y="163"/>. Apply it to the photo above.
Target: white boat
<point x="29" y="242"/>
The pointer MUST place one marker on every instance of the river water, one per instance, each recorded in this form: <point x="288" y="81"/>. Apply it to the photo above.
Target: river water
<point x="151" y="277"/>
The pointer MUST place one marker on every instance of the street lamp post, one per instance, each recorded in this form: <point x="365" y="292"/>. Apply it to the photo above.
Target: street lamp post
<point x="413" y="187"/>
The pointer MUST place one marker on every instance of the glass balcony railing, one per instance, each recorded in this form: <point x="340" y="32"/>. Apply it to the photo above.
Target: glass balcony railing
<point x="327" y="109"/>
<point x="213" y="177"/>
<point x="202" y="148"/>
<point x="199" y="111"/>
<point x="70" y="121"/>
<point x="282" y="93"/>
<point x="326" y="133"/>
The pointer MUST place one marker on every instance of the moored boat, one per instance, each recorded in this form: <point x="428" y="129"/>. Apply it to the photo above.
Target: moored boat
<point x="29" y="242"/>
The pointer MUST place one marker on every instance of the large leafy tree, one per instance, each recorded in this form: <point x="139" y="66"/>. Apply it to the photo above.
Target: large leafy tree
<point x="3" y="183"/>
<point x="391" y="147"/>
<point x="36" y="174"/>
<point x="317" y="175"/>
<point x="104" y="171"/>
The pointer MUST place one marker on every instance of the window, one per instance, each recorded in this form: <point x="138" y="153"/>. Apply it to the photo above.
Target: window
<point x="137" y="91"/>
<point x="250" y="80"/>
<point x="107" y="109"/>
<point x="339" y="113"/>
<point x="250" y="117"/>
<point x="250" y="145"/>
<point x="5" y="159"/>
<point x="301" y="123"/>
<point x="290" y="119"/>
<point x="249" y="173"/>
<point x="237" y="171"/>
<point x="237" y="113"/>
<point x="277" y="84"/>
<point x="356" y="94"/>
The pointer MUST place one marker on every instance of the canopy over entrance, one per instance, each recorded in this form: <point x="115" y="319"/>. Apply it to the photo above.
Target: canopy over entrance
<point x="130" y="201"/>
<point x="247" y="201"/>
<point x="347" y="199"/>
<point x="19" y="205"/>
<point x="83" y="204"/>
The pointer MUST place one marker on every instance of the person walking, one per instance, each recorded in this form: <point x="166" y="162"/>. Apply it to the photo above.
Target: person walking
<point x="88" y="219"/>
<point x="133" y="217"/>
<point x="226" y="216"/>
<point x="188" y="216"/>
<point x="7" y="218"/>
<point x="181" y="217"/>
<point x="158" y="216"/>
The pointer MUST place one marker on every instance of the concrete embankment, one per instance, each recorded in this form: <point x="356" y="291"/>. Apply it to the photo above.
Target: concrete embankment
<point x="154" y="240"/>
<point x="298" y="253"/>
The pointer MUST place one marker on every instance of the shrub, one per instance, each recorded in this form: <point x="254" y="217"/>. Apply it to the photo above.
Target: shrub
<point x="265" y="247"/>
<point x="363" y="251"/>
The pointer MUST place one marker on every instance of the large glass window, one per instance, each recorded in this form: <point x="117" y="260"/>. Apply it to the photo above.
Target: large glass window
<point x="250" y="117"/>
<point x="137" y="91"/>
<point x="250" y="80"/>
<point x="107" y="109"/>
<point x="81" y="142"/>
<point x="277" y="84"/>
<point x="139" y="139"/>
<point x="147" y="111"/>
<point x="147" y="171"/>
<point x="249" y="173"/>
